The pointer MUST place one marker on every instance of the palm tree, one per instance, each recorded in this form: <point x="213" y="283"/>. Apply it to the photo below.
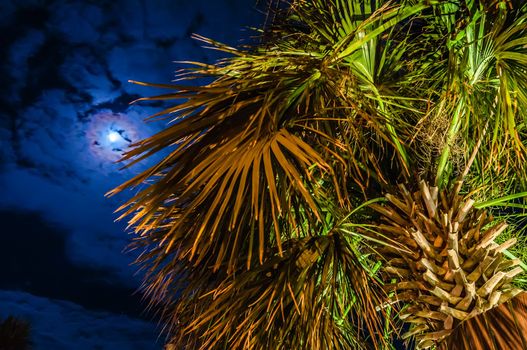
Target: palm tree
<point x="14" y="334"/>
<point x="363" y="166"/>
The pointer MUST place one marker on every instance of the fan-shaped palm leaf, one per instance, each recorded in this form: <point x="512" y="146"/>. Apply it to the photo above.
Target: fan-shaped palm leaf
<point x="245" y="226"/>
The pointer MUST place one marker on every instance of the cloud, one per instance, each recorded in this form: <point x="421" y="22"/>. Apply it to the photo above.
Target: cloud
<point x="35" y="256"/>
<point x="78" y="22"/>
<point x="62" y="325"/>
<point x="93" y="238"/>
<point x="65" y="70"/>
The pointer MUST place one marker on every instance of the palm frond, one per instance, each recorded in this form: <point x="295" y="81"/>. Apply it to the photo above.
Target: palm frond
<point x="253" y="227"/>
<point x="316" y="285"/>
<point x="500" y="328"/>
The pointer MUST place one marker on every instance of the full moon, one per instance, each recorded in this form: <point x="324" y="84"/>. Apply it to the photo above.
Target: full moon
<point x="110" y="135"/>
<point x="113" y="136"/>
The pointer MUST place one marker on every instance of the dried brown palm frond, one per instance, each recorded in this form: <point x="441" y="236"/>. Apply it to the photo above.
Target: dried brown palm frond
<point x="311" y="297"/>
<point x="504" y="327"/>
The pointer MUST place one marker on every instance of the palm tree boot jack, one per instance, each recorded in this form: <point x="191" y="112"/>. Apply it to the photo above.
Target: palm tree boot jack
<point x="442" y="261"/>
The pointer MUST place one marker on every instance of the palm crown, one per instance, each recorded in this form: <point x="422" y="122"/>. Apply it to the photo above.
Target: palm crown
<point x="356" y="164"/>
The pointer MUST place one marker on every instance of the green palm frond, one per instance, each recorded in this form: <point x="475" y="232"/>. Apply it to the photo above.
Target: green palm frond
<point x="486" y="64"/>
<point x="312" y="286"/>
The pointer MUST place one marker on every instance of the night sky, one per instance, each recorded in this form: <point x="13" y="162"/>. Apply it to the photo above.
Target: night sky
<point x="65" y="119"/>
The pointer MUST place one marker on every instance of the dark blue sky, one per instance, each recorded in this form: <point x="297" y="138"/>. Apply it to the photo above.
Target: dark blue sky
<point x="64" y="91"/>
